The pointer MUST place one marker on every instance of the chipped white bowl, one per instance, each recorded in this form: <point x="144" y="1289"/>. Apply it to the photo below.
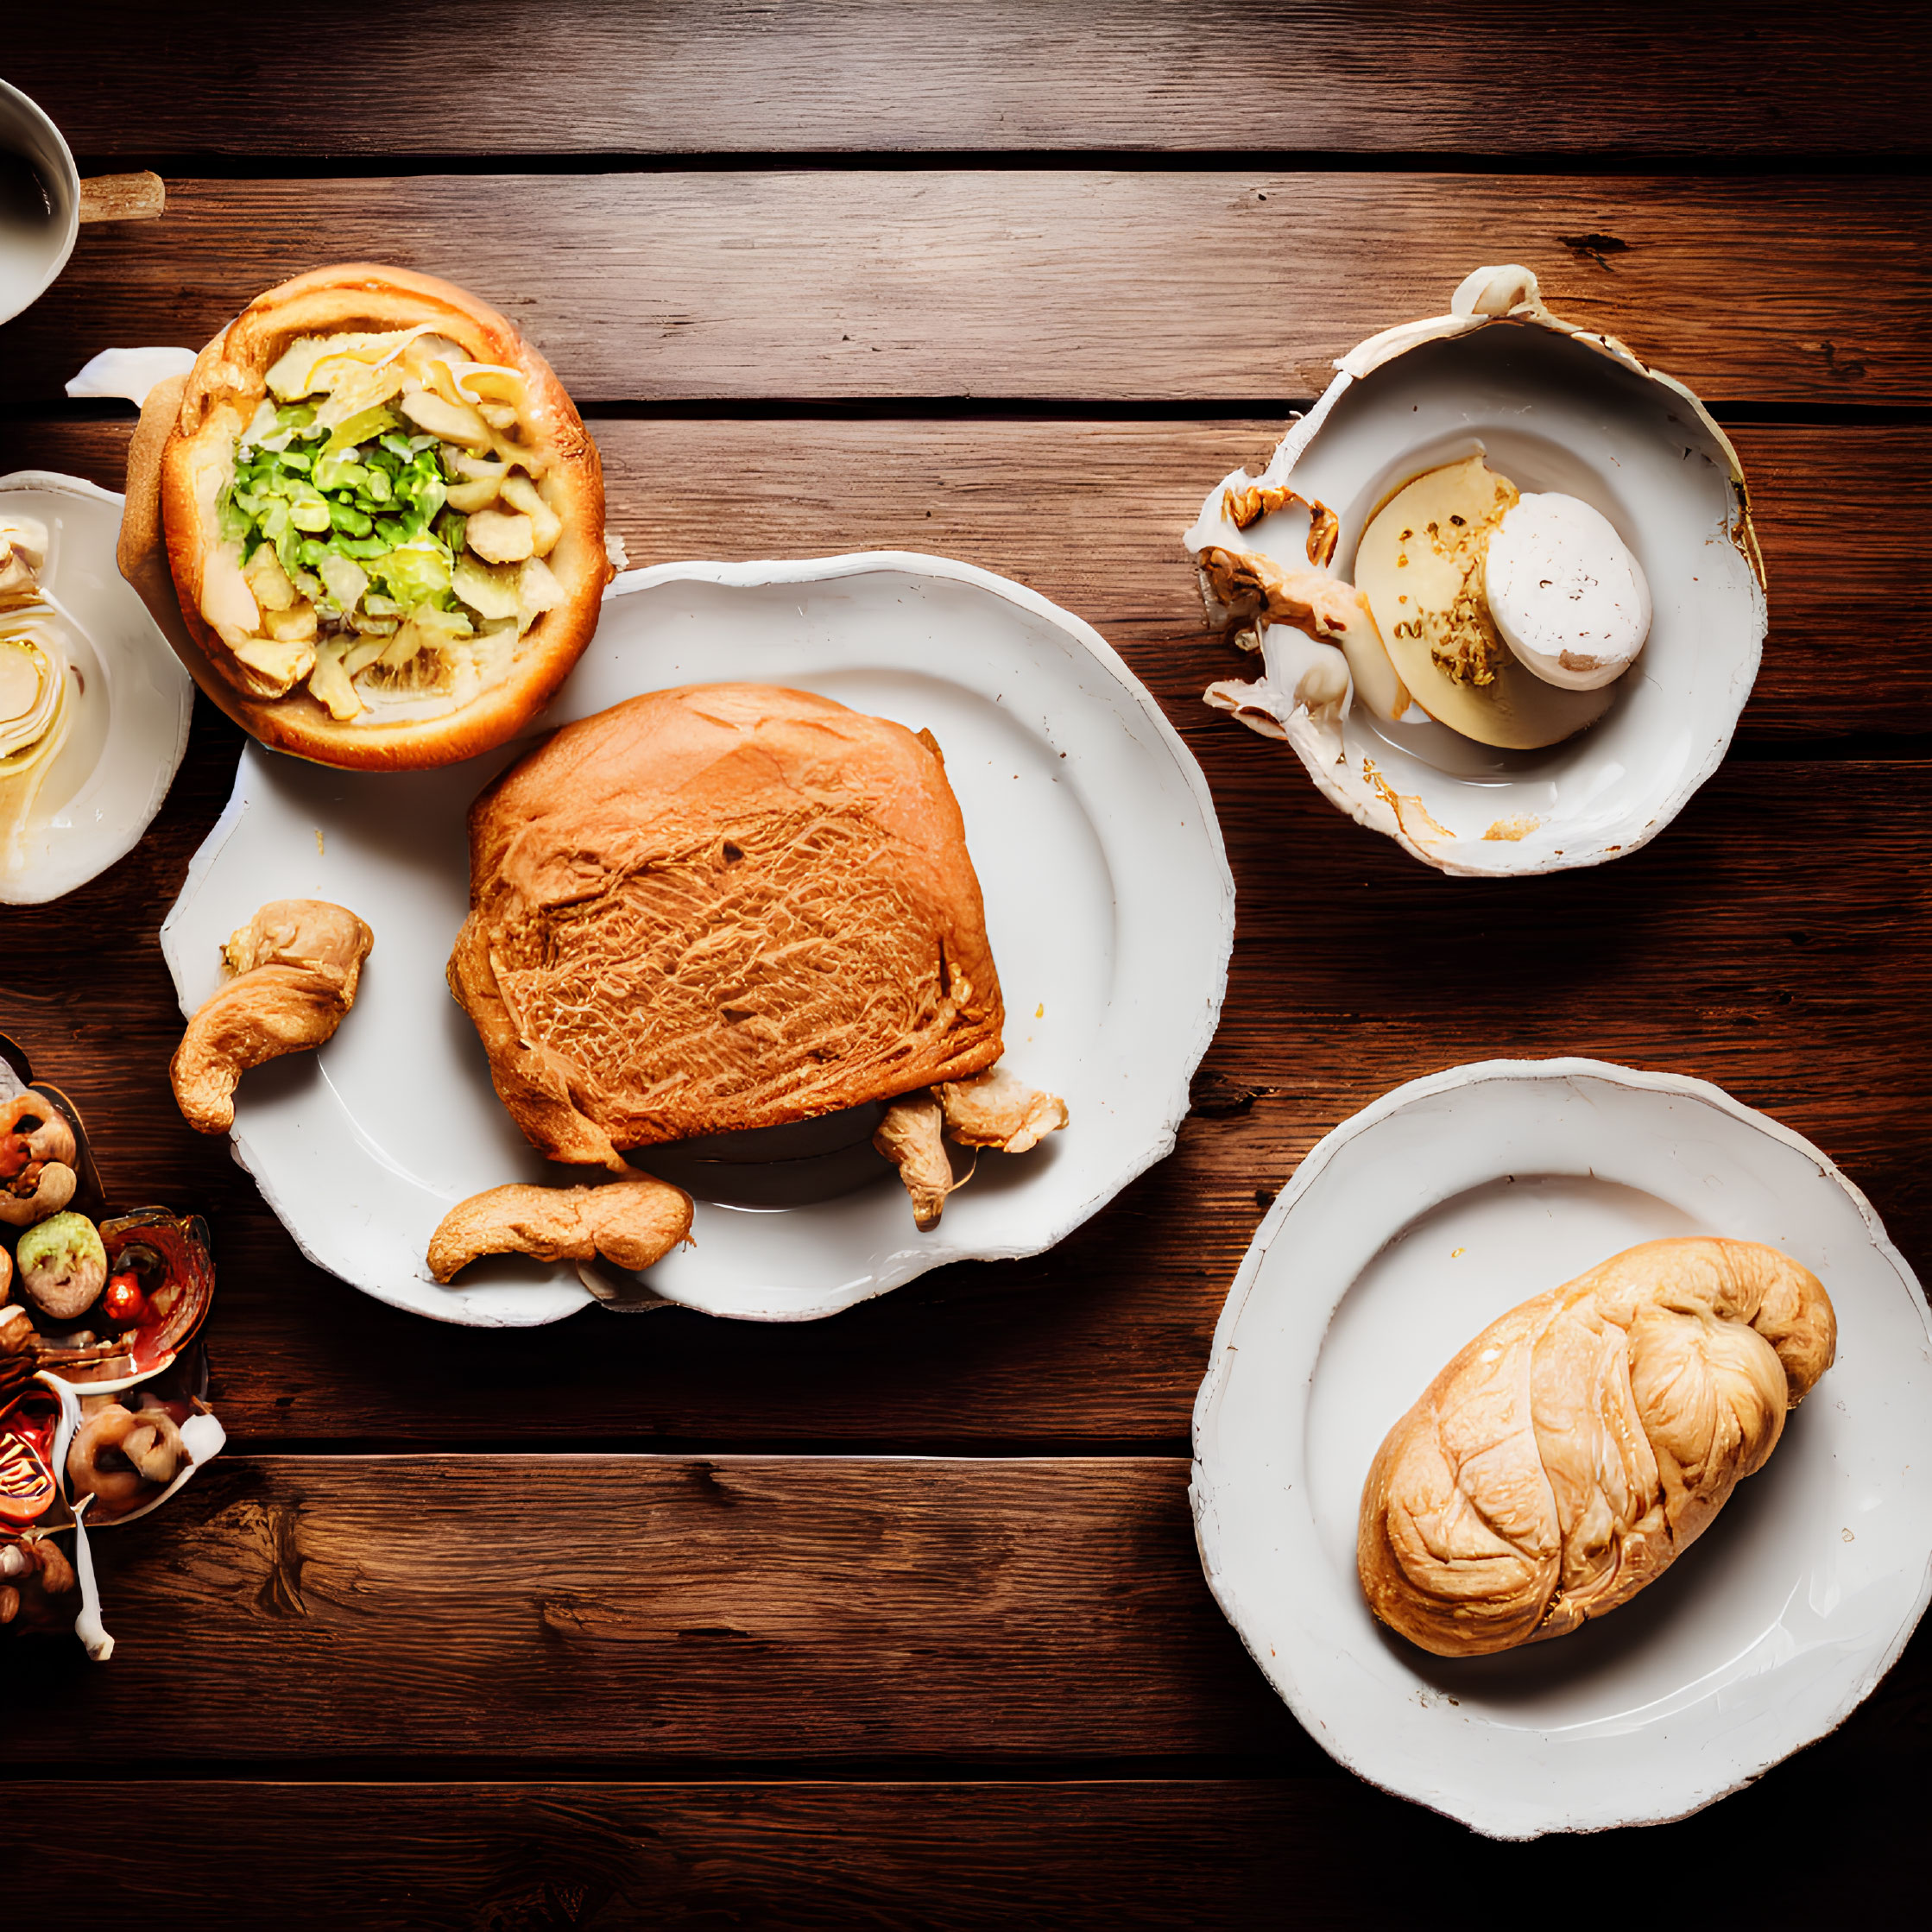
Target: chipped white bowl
<point x="1408" y="1230"/>
<point x="1555" y="407"/>
<point x="1108" y="902"/>
<point x="131" y="723"/>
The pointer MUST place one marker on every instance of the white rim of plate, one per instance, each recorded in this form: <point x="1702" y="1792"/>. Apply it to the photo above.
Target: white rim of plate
<point x="1279" y="1670"/>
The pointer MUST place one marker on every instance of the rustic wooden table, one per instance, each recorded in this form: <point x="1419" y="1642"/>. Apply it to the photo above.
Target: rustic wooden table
<point x="897" y="1618"/>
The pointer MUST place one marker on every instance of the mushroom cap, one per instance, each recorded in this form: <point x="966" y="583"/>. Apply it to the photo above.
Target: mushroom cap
<point x="63" y="1265"/>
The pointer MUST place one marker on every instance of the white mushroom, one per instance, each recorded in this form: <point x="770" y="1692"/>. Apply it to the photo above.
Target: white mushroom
<point x="455" y="422"/>
<point x="265" y="577"/>
<point x="999" y="1110"/>
<point x="1565" y="592"/>
<point x="501" y="536"/>
<point x="521" y="494"/>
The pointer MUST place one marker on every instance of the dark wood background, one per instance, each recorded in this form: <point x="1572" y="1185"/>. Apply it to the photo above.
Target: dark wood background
<point x="896" y="1620"/>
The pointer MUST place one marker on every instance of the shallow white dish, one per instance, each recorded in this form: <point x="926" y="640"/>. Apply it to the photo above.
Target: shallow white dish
<point x="1108" y="903"/>
<point x="1404" y="1233"/>
<point x="131" y="725"/>
<point x="1556" y="408"/>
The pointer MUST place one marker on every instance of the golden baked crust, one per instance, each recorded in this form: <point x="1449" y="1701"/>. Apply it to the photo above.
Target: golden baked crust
<point x="191" y="422"/>
<point x="1582" y="1441"/>
<point x="721" y="907"/>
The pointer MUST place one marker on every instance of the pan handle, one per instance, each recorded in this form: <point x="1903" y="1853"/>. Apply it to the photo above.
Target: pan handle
<point x="122" y="198"/>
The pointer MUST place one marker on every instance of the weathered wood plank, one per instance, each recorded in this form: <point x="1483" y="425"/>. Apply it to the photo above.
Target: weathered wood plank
<point x="1091" y="513"/>
<point x="606" y="1609"/>
<point x="591" y="76"/>
<point x="1143" y="287"/>
<point x="610" y="1610"/>
<point x="935" y="1856"/>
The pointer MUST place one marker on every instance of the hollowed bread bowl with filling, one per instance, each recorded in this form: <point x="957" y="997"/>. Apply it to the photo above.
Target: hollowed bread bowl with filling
<point x="369" y="520"/>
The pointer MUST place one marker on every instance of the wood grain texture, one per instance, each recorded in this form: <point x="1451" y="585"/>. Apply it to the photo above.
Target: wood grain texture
<point x="1147" y="286"/>
<point x="891" y="1690"/>
<point x="1091" y="513"/>
<point x="1081" y="1854"/>
<point x="589" y="76"/>
<point x="601" y="1609"/>
<point x="1773" y="940"/>
<point x="611" y="1611"/>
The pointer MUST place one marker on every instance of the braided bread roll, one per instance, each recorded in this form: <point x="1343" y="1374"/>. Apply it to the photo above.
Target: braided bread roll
<point x="1581" y="1443"/>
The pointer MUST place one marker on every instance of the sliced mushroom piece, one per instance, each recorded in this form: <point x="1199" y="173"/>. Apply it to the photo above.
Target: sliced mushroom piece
<point x="998" y="1109"/>
<point x="469" y="497"/>
<point x="265" y="577"/>
<point x="37" y="1157"/>
<point x="274" y="668"/>
<point x="912" y="1136"/>
<point x="521" y="494"/>
<point x="630" y="1223"/>
<point x="455" y="422"/>
<point x="490" y="590"/>
<point x="537" y="592"/>
<point x="328" y="683"/>
<point x="501" y="536"/>
<point x="293" y="625"/>
<point x="296" y="964"/>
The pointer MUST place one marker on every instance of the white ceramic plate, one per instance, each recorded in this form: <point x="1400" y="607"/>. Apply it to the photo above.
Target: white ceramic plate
<point x="1407" y="1231"/>
<point x="132" y="724"/>
<point x="1107" y="897"/>
<point x="1555" y="408"/>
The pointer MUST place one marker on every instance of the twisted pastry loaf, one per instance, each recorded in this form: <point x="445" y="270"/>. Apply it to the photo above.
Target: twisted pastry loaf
<point x="1572" y="1451"/>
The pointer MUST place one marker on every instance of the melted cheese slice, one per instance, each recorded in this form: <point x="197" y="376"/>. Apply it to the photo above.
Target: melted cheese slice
<point x="1420" y="565"/>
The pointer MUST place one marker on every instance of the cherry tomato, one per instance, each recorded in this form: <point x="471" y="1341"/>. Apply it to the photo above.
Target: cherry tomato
<point x="123" y="1305"/>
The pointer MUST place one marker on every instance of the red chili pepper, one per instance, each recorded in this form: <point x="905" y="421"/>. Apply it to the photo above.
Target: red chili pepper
<point x="123" y="1305"/>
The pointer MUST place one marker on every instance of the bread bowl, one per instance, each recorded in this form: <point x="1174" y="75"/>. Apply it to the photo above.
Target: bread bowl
<point x="369" y="520"/>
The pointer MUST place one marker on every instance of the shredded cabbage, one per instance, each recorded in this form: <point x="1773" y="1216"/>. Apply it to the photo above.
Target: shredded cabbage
<point x="340" y="519"/>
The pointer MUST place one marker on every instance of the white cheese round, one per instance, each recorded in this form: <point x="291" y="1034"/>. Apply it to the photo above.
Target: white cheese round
<point x="1565" y="593"/>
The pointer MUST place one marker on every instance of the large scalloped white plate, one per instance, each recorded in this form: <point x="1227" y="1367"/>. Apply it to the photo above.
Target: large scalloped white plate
<point x="131" y="723"/>
<point x="1407" y="1231"/>
<point x="1108" y="895"/>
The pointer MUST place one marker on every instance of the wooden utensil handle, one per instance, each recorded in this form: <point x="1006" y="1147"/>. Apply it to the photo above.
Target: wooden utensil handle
<point x="122" y="198"/>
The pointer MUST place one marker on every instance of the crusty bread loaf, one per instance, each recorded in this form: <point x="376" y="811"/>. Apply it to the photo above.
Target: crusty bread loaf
<point x="721" y="907"/>
<point x="187" y="430"/>
<point x="1582" y="1441"/>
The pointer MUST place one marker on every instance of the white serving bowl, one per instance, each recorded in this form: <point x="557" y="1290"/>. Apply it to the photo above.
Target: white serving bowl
<point x="1555" y="408"/>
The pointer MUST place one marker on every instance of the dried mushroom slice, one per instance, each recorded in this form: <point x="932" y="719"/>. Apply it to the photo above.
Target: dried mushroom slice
<point x="296" y="965"/>
<point x="631" y="1224"/>
<point x="993" y="1109"/>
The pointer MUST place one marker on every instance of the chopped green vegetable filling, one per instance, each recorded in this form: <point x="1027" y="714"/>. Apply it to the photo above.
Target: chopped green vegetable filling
<point x="367" y="493"/>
